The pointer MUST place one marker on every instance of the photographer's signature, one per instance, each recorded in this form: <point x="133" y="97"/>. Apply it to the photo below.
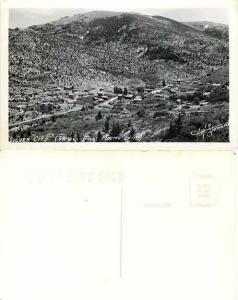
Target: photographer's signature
<point x="209" y="130"/>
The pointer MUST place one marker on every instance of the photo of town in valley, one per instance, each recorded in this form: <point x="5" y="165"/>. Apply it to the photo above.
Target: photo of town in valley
<point x="118" y="76"/>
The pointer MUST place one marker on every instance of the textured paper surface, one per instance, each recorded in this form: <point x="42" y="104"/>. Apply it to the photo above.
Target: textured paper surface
<point x="120" y="225"/>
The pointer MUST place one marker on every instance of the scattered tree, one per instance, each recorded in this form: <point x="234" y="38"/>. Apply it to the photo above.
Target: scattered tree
<point x="72" y="137"/>
<point x="106" y="125"/>
<point x="176" y="126"/>
<point x="99" y="116"/>
<point x="140" y="89"/>
<point x="53" y="118"/>
<point x="78" y="138"/>
<point x="21" y="134"/>
<point x="196" y="100"/>
<point x="28" y="133"/>
<point x="116" y="130"/>
<point x="132" y="135"/>
<point x="99" y="136"/>
<point x="141" y="113"/>
<point x="14" y="135"/>
<point x="117" y="90"/>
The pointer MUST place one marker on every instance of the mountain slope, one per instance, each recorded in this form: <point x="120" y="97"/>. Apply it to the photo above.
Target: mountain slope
<point x="217" y="30"/>
<point x="114" y="48"/>
<point x="201" y="24"/>
<point x="86" y="17"/>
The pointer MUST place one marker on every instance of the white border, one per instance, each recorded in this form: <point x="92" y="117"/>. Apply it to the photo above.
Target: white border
<point x="232" y="7"/>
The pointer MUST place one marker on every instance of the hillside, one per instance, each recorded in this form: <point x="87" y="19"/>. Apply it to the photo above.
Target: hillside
<point x="217" y="30"/>
<point x="201" y="24"/>
<point x="86" y="17"/>
<point x="112" y="49"/>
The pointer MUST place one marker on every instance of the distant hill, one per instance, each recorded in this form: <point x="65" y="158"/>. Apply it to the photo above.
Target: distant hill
<point x="114" y="48"/>
<point x="217" y="30"/>
<point x="202" y="24"/>
<point x="86" y="17"/>
<point x="172" y="24"/>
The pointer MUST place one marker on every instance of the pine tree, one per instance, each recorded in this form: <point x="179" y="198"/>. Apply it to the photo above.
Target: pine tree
<point x="132" y="135"/>
<point x="14" y="135"/>
<point x="99" y="136"/>
<point x="106" y="125"/>
<point x="28" y="133"/>
<point x="116" y="130"/>
<point x="78" y="138"/>
<point x="72" y="137"/>
<point x="117" y="90"/>
<point x="99" y="116"/>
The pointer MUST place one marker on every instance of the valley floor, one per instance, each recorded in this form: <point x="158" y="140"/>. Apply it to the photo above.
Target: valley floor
<point x="184" y="111"/>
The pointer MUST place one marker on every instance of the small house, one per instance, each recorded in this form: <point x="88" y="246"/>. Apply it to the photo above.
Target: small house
<point x="72" y="101"/>
<point x="130" y="97"/>
<point x="137" y="99"/>
<point x="71" y="96"/>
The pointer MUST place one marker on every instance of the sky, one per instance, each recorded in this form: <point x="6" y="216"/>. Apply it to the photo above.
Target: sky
<point x="22" y="17"/>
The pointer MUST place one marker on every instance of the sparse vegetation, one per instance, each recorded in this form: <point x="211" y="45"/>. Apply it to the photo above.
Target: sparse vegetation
<point x="118" y="77"/>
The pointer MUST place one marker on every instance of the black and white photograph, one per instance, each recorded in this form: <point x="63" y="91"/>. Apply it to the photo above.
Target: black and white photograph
<point x="146" y="75"/>
<point x="118" y="150"/>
